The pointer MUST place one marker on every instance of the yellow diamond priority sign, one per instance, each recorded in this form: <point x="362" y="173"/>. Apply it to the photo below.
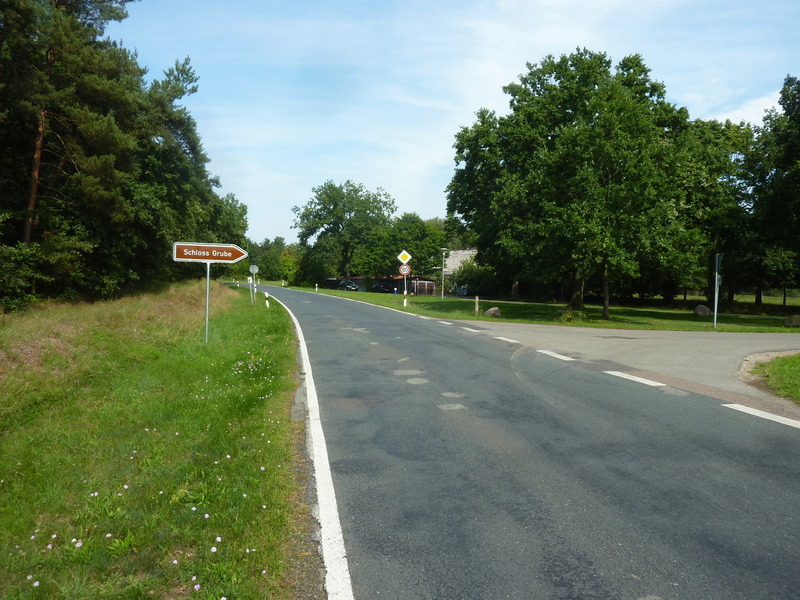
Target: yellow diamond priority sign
<point x="404" y="257"/>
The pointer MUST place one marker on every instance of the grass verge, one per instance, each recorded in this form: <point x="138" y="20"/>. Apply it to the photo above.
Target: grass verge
<point x="136" y="461"/>
<point x="782" y="374"/>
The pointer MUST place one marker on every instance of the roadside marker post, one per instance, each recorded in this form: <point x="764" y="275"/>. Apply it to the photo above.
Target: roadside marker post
<point x="207" y="253"/>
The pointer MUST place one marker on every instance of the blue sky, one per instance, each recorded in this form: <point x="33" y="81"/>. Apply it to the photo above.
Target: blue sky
<point x="295" y="93"/>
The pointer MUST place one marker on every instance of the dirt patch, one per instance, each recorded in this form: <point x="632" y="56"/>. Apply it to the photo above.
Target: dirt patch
<point x="306" y="569"/>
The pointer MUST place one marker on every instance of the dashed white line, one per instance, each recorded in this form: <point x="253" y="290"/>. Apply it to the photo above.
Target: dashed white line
<point x="764" y="415"/>
<point x="555" y="355"/>
<point x="505" y="339"/>
<point x="471" y="330"/>
<point x="649" y="382"/>
<point x="445" y="322"/>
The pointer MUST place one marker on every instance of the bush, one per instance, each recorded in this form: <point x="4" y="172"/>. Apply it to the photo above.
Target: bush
<point x="479" y="280"/>
<point x="18" y="276"/>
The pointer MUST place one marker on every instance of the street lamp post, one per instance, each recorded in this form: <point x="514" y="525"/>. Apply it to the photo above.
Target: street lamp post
<point x="444" y="251"/>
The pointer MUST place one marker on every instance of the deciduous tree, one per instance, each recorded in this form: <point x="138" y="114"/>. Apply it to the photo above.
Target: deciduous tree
<point x="341" y="218"/>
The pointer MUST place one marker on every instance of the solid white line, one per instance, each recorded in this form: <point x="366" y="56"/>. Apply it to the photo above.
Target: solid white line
<point x="764" y="415"/>
<point x="634" y="378"/>
<point x="471" y="330"/>
<point x="555" y="355"/>
<point x="509" y="340"/>
<point x="337" y="573"/>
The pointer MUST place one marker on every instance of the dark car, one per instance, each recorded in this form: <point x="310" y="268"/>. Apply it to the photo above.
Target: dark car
<point x="382" y="288"/>
<point x="347" y="285"/>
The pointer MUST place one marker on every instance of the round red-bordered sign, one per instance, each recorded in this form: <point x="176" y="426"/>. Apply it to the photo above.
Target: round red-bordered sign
<point x="405" y="269"/>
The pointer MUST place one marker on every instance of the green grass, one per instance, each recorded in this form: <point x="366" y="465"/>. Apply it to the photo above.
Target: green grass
<point x="136" y="461"/>
<point x="555" y="314"/>
<point x="782" y="374"/>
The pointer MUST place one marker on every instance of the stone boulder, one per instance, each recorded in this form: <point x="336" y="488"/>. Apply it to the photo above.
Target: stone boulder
<point x="702" y="311"/>
<point x="793" y="321"/>
<point x="493" y="312"/>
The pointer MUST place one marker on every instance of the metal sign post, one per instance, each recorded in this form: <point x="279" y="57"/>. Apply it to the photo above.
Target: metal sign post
<point x="404" y="257"/>
<point x="207" y="253"/>
<point x="717" y="278"/>
<point x="253" y="270"/>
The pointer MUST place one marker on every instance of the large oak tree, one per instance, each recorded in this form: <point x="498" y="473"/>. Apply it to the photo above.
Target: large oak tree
<point x="580" y="181"/>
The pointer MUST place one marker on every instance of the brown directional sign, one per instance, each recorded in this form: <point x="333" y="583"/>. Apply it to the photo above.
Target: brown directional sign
<point x="199" y="252"/>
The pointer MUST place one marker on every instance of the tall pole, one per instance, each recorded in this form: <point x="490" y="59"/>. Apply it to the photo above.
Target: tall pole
<point x="444" y="251"/>
<point x="208" y="293"/>
<point x="717" y="265"/>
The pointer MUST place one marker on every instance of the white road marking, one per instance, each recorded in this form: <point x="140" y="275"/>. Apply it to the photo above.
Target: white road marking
<point x="764" y="415"/>
<point x="471" y="330"/>
<point x="555" y="355"/>
<point x="505" y="339"/>
<point x="452" y="407"/>
<point x="649" y="382"/>
<point x="444" y="322"/>
<point x="337" y="573"/>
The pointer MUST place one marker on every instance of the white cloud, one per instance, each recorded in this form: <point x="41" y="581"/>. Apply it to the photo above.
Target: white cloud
<point x="751" y="110"/>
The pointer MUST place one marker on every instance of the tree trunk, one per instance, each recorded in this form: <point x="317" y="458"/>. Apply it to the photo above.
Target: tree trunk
<point x="515" y="290"/>
<point x="36" y="167"/>
<point x="576" y="292"/>
<point x="759" y="296"/>
<point x="606" y="296"/>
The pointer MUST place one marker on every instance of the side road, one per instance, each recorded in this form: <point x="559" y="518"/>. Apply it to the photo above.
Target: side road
<point x="710" y="363"/>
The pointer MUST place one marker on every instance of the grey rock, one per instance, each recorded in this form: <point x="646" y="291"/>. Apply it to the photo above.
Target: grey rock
<point x="702" y="311"/>
<point x="793" y="321"/>
<point x="493" y="312"/>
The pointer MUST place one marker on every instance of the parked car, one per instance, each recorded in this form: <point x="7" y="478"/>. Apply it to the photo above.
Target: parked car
<point x="347" y="285"/>
<point x="382" y="288"/>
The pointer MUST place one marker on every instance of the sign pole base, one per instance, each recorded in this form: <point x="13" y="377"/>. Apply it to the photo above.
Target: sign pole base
<point x="208" y="294"/>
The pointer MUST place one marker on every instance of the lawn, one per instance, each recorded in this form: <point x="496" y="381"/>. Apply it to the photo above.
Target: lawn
<point x="137" y="461"/>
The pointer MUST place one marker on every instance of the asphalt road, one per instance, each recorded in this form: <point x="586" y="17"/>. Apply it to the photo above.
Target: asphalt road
<point x="468" y="466"/>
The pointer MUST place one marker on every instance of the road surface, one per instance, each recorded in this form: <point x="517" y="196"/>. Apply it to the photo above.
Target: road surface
<point x="477" y="461"/>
